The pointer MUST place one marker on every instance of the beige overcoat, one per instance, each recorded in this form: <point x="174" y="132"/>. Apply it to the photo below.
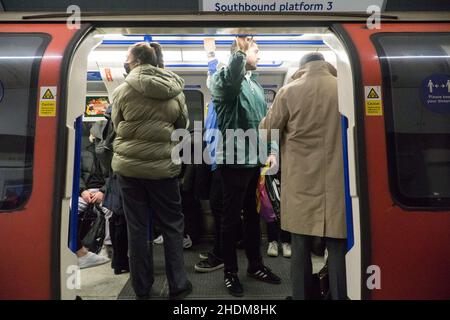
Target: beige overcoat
<point x="312" y="180"/>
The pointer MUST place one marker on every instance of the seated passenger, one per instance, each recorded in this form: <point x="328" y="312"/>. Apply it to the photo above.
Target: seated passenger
<point x="92" y="189"/>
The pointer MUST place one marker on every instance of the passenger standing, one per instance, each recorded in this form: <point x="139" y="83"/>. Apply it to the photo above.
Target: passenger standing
<point x="312" y="197"/>
<point x="212" y="261"/>
<point x="113" y="200"/>
<point x="240" y="104"/>
<point x="147" y="108"/>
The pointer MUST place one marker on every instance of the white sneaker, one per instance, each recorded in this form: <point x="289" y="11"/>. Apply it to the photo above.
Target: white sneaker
<point x="91" y="259"/>
<point x="187" y="242"/>
<point x="272" y="250"/>
<point x="286" y="249"/>
<point x="159" y="240"/>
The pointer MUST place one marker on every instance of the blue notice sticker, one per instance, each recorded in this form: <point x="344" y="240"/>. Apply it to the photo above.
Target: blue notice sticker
<point x="435" y="93"/>
<point x="2" y="91"/>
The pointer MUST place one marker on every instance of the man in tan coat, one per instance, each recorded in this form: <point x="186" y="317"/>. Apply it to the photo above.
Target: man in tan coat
<point x="312" y="182"/>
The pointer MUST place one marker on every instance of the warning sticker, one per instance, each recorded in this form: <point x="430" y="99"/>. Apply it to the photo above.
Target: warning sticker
<point x="47" y="102"/>
<point x="373" y="101"/>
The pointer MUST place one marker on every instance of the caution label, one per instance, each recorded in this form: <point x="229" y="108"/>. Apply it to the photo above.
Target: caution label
<point x="373" y="101"/>
<point x="47" y="102"/>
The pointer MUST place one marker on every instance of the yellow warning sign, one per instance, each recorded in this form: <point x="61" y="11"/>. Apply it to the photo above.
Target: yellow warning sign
<point x="374" y="106"/>
<point x="47" y="102"/>
<point x="48" y="95"/>
<point x="47" y="108"/>
<point x="372" y="94"/>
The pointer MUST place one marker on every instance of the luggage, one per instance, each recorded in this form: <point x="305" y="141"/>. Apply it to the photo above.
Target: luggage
<point x="273" y="188"/>
<point x="93" y="221"/>
<point x="268" y="196"/>
<point x="320" y="285"/>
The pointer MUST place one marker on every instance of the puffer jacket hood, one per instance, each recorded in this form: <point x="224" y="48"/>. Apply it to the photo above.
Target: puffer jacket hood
<point x="155" y="83"/>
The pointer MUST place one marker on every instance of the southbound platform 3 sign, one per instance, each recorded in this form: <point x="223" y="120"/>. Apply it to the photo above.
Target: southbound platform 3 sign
<point x="289" y="6"/>
<point x="435" y="93"/>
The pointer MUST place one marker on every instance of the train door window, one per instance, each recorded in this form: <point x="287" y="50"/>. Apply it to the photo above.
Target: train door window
<point x="416" y="89"/>
<point x="20" y="58"/>
<point x="195" y="104"/>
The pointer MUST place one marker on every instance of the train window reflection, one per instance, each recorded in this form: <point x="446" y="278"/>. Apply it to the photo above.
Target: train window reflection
<point x="19" y="79"/>
<point x="417" y="116"/>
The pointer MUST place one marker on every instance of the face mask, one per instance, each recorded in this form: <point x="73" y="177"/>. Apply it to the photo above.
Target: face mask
<point x="126" y="66"/>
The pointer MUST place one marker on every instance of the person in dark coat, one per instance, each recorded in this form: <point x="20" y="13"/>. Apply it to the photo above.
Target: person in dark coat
<point x="113" y="201"/>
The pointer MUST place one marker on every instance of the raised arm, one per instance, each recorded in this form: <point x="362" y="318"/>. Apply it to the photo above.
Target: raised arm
<point x="226" y="83"/>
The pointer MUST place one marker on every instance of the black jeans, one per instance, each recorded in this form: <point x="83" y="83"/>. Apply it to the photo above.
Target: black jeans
<point x="239" y="193"/>
<point x="274" y="233"/>
<point x="216" y="204"/>
<point x="163" y="196"/>
<point x="119" y="241"/>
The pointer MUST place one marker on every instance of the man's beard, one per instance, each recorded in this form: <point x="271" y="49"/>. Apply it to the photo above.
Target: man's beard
<point x="250" y="67"/>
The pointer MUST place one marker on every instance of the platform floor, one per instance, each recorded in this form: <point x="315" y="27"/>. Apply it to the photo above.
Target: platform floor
<point x="101" y="283"/>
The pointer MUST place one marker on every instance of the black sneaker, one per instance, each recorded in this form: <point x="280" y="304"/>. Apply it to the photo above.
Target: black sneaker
<point x="264" y="274"/>
<point x="183" y="293"/>
<point x="233" y="285"/>
<point x="212" y="263"/>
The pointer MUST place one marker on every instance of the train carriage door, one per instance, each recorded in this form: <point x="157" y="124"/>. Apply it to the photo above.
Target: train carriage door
<point x="402" y="104"/>
<point x="33" y="64"/>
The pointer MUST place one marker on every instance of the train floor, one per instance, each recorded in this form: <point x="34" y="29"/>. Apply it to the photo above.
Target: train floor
<point x="101" y="283"/>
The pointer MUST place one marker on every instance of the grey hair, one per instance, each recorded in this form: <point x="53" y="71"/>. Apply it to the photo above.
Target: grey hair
<point x="312" y="56"/>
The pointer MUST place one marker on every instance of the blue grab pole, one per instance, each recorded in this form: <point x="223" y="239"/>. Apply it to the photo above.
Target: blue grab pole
<point x="75" y="186"/>
<point x="348" y="200"/>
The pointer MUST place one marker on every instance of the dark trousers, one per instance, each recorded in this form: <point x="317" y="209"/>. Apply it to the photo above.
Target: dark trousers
<point x="119" y="241"/>
<point x="163" y="196"/>
<point x="274" y="233"/>
<point x="239" y="193"/>
<point x="192" y="211"/>
<point x="301" y="267"/>
<point x="216" y="204"/>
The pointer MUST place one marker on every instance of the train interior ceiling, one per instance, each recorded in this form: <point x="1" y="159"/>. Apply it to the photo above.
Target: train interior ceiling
<point x="280" y="53"/>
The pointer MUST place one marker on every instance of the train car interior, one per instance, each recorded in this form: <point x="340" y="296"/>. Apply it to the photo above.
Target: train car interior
<point x="97" y="69"/>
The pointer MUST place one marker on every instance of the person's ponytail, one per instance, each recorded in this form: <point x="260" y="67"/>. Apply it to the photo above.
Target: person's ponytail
<point x="159" y="55"/>
<point x="148" y="53"/>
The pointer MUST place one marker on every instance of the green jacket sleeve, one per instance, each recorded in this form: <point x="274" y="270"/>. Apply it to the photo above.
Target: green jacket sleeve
<point x="226" y="83"/>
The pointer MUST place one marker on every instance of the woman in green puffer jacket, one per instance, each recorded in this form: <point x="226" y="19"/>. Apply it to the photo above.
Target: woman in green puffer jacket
<point x="147" y="108"/>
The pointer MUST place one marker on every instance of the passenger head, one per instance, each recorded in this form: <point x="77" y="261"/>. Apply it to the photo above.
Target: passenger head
<point x="312" y="56"/>
<point x="252" y="53"/>
<point x="144" y="53"/>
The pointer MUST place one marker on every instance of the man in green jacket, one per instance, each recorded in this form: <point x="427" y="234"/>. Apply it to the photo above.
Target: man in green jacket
<point x="240" y="106"/>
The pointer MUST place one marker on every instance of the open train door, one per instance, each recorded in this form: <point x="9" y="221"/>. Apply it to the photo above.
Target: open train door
<point x="34" y="68"/>
<point x="401" y="75"/>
